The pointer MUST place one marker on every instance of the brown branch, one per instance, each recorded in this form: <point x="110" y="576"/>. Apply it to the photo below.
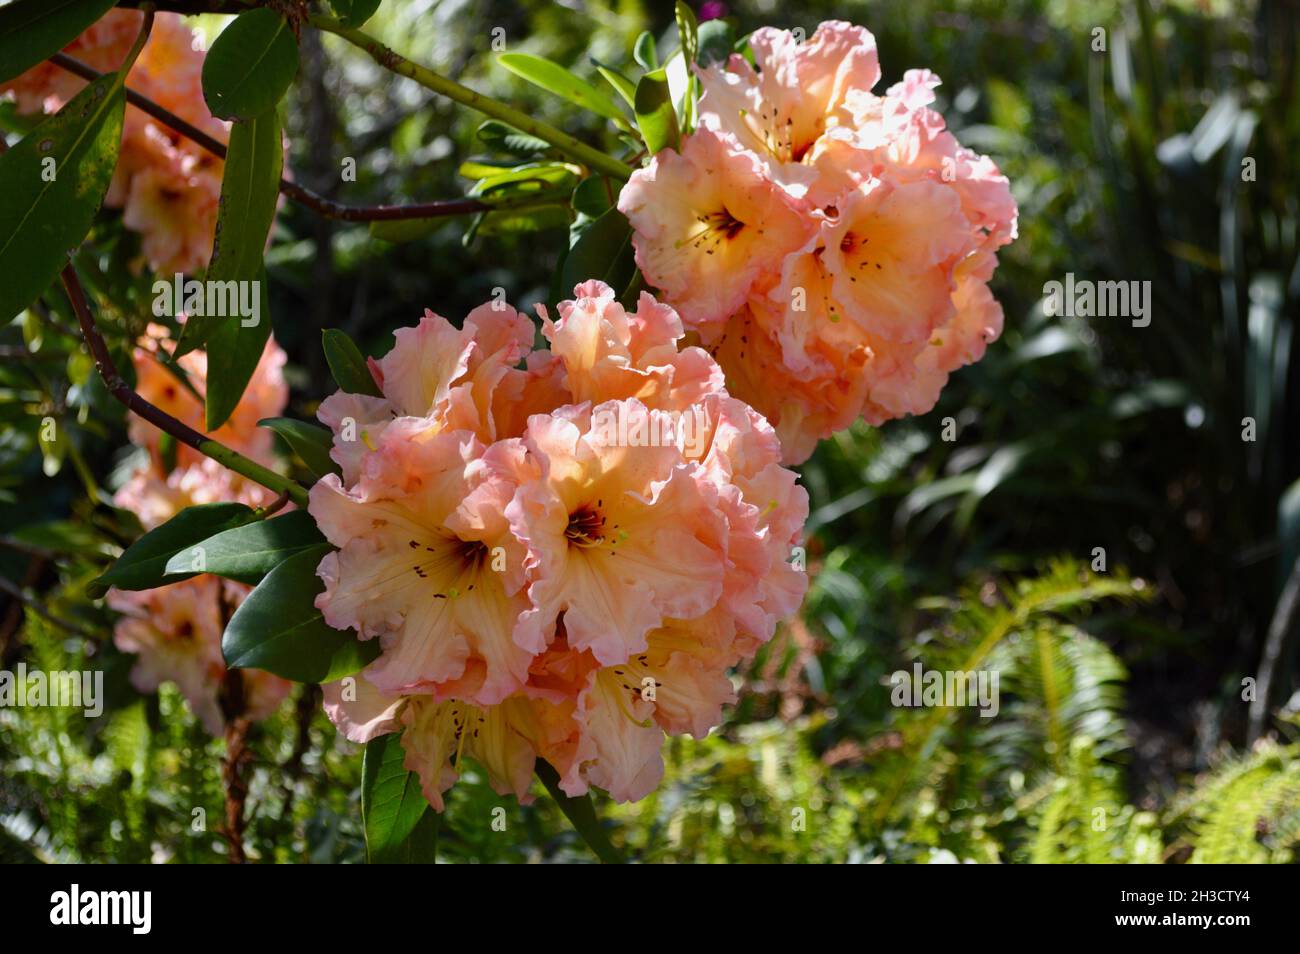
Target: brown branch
<point x="159" y="418"/>
<point x="300" y="194"/>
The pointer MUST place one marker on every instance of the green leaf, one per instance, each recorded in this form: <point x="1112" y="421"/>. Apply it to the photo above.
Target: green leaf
<point x="353" y="13"/>
<point x="654" y="113"/>
<point x="595" y="195"/>
<point x="144" y="565"/>
<point x="715" y="42"/>
<point x="233" y="354"/>
<point x="347" y="364"/>
<point x="688" y="30"/>
<point x="250" y="189"/>
<point x="250" y="65"/>
<point x="506" y="138"/>
<point x="622" y="85"/>
<point x="279" y="629"/>
<point x="34" y="30"/>
<point x="644" y="52"/>
<point x="603" y="251"/>
<point x="400" y="826"/>
<point x="557" y="79"/>
<point x="581" y="813"/>
<point x="51" y="185"/>
<point x="311" y="442"/>
<point x="248" y="552"/>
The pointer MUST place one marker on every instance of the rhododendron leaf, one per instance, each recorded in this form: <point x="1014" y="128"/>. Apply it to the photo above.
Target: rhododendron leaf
<point x="33" y="30"/>
<point x="353" y="13"/>
<point x="278" y="628"/>
<point x="516" y="221"/>
<point x="250" y="65"/>
<point x="595" y="195"/>
<point x="602" y="251"/>
<point x="687" y="31"/>
<point x="347" y="364"/>
<point x="233" y="354"/>
<point x="643" y="51"/>
<point x="400" y="826"/>
<point x="655" y="116"/>
<point x="507" y="138"/>
<point x="311" y="442"/>
<point x="581" y="813"/>
<point x="715" y="42"/>
<point x="250" y="189"/>
<point x="250" y="551"/>
<point x="558" y="79"/>
<point x="144" y="564"/>
<point x="51" y="185"/>
<point x="622" y="85"/>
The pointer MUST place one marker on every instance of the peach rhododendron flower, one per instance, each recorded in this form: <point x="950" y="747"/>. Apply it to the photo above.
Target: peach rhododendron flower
<point x="869" y="285"/>
<point x="175" y="630"/>
<point x="166" y="185"/>
<point x="561" y="553"/>
<point x="179" y="392"/>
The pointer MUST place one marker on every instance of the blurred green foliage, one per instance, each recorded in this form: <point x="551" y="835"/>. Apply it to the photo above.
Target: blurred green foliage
<point x="1169" y="156"/>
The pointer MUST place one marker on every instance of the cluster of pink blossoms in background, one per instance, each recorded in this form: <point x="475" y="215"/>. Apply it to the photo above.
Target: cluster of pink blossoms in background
<point x="166" y="186"/>
<point x="175" y="630"/>
<point x="545" y="578"/>
<point x="829" y="246"/>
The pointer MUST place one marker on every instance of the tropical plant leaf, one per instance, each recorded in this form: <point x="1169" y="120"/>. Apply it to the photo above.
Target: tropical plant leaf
<point x="250" y="65"/>
<point x="400" y="826"/>
<point x="144" y="564"/>
<point x="251" y="550"/>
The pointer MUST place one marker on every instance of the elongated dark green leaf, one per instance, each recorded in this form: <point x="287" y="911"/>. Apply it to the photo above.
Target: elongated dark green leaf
<point x="311" y="442"/>
<point x="33" y="30"/>
<point x="347" y="364"/>
<point x="249" y="191"/>
<point x="400" y="826"/>
<point x="595" y="195"/>
<point x="233" y="353"/>
<point x="144" y="564"/>
<point x="250" y="551"/>
<point x="581" y="813"/>
<point x="556" y="79"/>
<point x="278" y="628"/>
<point x="353" y="13"/>
<point x="603" y="251"/>
<point x="654" y="113"/>
<point x="51" y="185"/>
<point x="250" y="66"/>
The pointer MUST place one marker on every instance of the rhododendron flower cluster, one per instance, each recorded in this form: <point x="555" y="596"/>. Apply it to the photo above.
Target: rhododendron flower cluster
<point x="831" y="247"/>
<point x="167" y="186"/>
<point x="561" y="552"/>
<point x="175" y="630"/>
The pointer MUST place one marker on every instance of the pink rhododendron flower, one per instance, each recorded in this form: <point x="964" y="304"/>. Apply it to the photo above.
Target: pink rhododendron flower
<point x="862" y="306"/>
<point x="180" y="392"/>
<point x="166" y="185"/>
<point x="708" y="223"/>
<point x="175" y="630"/>
<point x="561" y="553"/>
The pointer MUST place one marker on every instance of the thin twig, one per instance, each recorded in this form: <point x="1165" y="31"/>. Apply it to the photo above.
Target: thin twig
<point x="42" y="612"/>
<point x="395" y="63"/>
<point x="304" y="196"/>
<point x="160" y="419"/>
